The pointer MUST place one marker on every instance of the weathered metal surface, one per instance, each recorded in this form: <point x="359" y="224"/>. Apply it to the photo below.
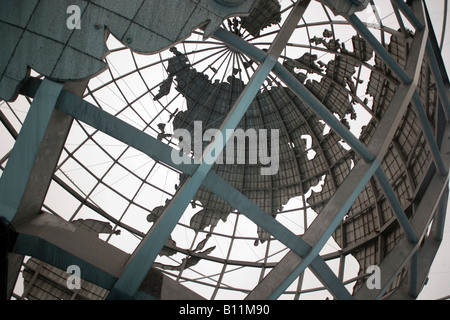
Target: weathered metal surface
<point x="346" y="7"/>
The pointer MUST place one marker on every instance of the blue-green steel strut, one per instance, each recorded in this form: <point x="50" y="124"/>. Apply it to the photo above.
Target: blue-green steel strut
<point x="16" y="175"/>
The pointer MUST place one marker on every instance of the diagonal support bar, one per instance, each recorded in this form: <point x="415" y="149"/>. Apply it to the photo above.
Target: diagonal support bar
<point x="379" y="49"/>
<point x="400" y="4"/>
<point x="299" y="88"/>
<point x="443" y="92"/>
<point x="428" y="133"/>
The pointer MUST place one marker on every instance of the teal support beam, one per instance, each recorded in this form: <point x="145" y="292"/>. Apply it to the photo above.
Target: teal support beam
<point x="247" y="207"/>
<point x="303" y="93"/>
<point x="21" y="163"/>
<point x="402" y="74"/>
<point x="438" y="75"/>
<point x="7" y="239"/>
<point x="31" y="163"/>
<point x="400" y="4"/>
<point x="122" y="131"/>
<point x="45" y="251"/>
<point x="33" y="159"/>
<point x="399" y="257"/>
<point x="116" y="128"/>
